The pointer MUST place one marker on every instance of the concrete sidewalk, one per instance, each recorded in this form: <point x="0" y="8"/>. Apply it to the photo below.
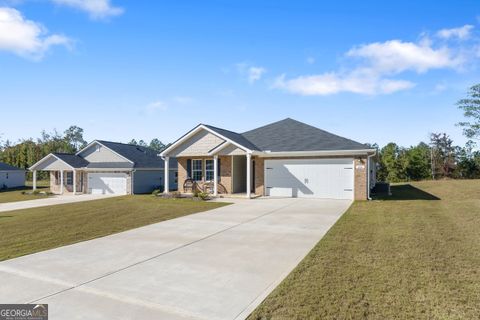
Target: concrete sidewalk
<point x="51" y="201"/>
<point x="218" y="264"/>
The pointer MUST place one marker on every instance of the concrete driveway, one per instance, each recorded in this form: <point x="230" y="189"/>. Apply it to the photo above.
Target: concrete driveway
<point x="51" y="201"/>
<point x="218" y="264"/>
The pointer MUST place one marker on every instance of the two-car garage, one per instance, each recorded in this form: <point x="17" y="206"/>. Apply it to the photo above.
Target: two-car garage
<point x="317" y="178"/>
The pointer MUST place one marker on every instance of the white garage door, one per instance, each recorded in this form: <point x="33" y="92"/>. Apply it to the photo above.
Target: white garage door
<point x="316" y="178"/>
<point x="107" y="183"/>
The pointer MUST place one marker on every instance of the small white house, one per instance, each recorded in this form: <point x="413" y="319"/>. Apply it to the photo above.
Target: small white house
<point x="11" y="177"/>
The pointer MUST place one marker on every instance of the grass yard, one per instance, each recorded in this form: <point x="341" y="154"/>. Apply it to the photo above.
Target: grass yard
<point x="414" y="256"/>
<point x="16" y="195"/>
<point x="32" y="230"/>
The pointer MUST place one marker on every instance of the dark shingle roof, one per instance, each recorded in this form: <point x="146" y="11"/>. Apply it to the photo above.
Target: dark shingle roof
<point x="72" y="159"/>
<point x="142" y="157"/>
<point x="236" y="137"/>
<point x="7" y="167"/>
<point x="292" y="135"/>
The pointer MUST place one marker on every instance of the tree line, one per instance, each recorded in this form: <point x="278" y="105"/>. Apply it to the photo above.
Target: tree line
<point x="436" y="159"/>
<point x="26" y="152"/>
<point x="439" y="158"/>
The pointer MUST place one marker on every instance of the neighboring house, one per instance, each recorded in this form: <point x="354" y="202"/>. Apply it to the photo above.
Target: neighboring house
<point x="286" y="158"/>
<point x="11" y="177"/>
<point x="104" y="167"/>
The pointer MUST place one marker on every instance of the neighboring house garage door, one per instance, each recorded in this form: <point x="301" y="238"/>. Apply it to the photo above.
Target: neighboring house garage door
<point x="107" y="183"/>
<point x="316" y="178"/>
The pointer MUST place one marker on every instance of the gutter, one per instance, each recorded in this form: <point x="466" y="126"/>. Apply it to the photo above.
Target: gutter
<point x="313" y="153"/>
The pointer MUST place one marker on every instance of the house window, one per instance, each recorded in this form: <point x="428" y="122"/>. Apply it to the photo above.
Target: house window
<point x="209" y="172"/>
<point x="197" y="170"/>
<point x="176" y="176"/>
<point x="69" y="178"/>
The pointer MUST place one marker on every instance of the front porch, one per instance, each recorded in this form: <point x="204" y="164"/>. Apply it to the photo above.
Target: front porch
<point x="65" y="178"/>
<point x="64" y="181"/>
<point x="67" y="182"/>
<point x="219" y="175"/>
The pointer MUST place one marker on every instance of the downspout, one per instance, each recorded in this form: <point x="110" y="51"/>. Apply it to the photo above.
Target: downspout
<point x="368" y="174"/>
<point x="132" y="182"/>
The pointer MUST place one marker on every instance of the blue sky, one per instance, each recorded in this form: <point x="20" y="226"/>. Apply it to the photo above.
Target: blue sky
<point x="145" y="69"/>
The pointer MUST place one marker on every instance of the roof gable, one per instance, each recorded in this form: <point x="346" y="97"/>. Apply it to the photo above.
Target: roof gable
<point x="141" y="157"/>
<point x="233" y="136"/>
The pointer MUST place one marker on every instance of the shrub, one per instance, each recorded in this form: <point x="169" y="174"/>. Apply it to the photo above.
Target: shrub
<point x="203" y="195"/>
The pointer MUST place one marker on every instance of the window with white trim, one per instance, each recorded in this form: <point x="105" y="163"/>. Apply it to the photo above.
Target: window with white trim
<point x="197" y="170"/>
<point x="69" y="178"/>
<point x="209" y="172"/>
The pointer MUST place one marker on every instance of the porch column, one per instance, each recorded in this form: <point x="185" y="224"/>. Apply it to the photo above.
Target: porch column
<point x="167" y="173"/>
<point x="61" y="181"/>
<point x="74" y="182"/>
<point x="249" y="174"/>
<point x="215" y="175"/>
<point x="34" y="180"/>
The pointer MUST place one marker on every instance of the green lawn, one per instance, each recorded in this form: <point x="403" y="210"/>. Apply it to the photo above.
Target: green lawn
<point x="415" y="256"/>
<point x="32" y="230"/>
<point x="16" y="195"/>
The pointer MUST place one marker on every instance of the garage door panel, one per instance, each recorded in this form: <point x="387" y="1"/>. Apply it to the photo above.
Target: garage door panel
<point x="318" y="178"/>
<point x="107" y="183"/>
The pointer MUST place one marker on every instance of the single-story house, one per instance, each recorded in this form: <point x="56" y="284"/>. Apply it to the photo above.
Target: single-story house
<point x="105" y="167"/>
<point x="11" y="177"/>
<point x="287" y="158"/>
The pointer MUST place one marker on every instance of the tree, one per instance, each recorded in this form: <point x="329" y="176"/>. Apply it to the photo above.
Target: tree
<point x="157" y="145"/>
<point x="391" y="168"/>
<point x="443" y="154"/>
<point x="74" y="137"/>
<point x="142" y="143"/>
<point x="471" y="110"/>
<point x="417" y="166"/>
<point x="468" y="166"/>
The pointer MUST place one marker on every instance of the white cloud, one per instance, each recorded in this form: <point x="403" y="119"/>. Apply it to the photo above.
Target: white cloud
<point x="396" y="56"/>
<point x="373" y="67"/>
<point x="333" y="83"/>
<point x="310" y="60"/>
<point x="97" y="9"/>
<point x="461" y="33"/>
<point x="155" y="107"/>
<point x="25" y="37"/>
<point x="252" y="73"/>
<point x="255" y="73"/>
